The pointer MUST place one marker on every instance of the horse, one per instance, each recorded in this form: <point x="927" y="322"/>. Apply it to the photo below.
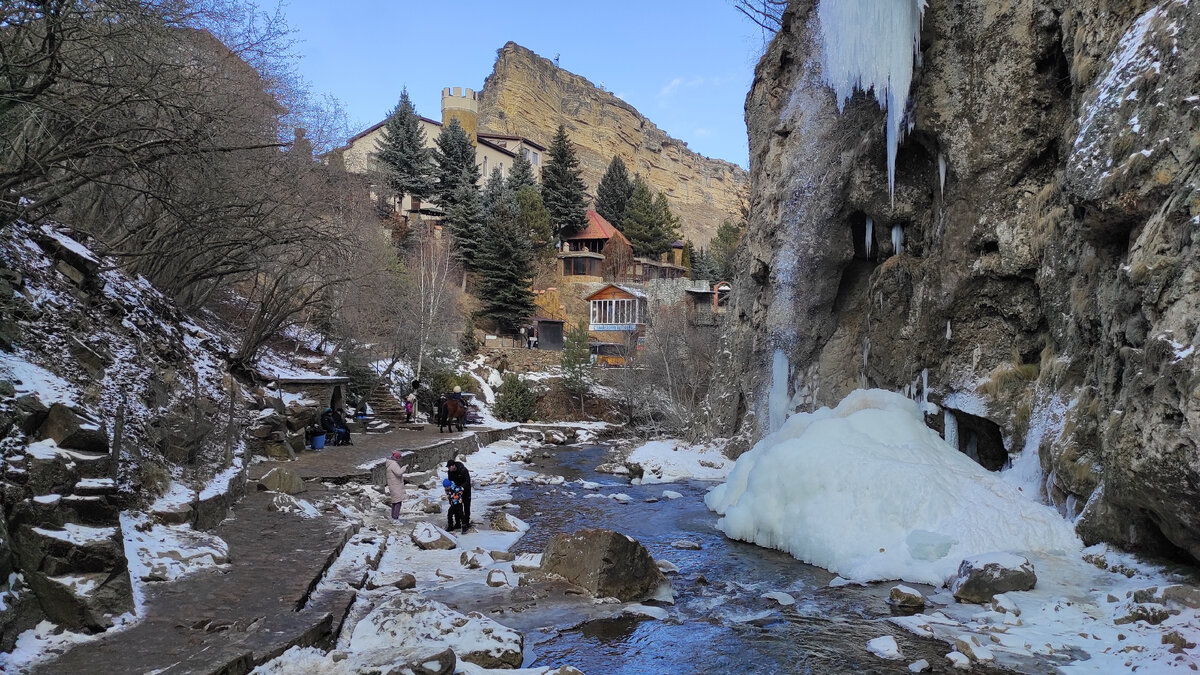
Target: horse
<point x="451" y="413"/>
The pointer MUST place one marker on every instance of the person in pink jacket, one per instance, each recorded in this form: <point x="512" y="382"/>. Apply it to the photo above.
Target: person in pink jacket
<point x="395" y="481"/>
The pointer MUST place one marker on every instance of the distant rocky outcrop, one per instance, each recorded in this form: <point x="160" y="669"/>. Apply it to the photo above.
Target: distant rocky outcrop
<point x="527" y="95"/>
<point x="1046" y="207"/>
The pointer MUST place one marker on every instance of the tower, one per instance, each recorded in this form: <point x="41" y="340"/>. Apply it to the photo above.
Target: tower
<point x="462" y="105"/>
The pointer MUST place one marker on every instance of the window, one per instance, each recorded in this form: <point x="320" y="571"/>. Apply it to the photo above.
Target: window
<point x="535" y="158"/>
<point x="610" y="312"/>
<point x="485" y="171"/>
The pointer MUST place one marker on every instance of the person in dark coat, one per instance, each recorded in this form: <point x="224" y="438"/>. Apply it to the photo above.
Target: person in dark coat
<point x="335" y="424"/>
<point x="462" y="478"/>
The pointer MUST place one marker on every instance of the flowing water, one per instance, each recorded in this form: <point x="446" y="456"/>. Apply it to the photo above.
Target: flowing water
<point x="720" y="622"/>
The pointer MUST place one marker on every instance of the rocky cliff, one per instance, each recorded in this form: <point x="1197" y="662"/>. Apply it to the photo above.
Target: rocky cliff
<point x="1046" y="280"/>
<point x="529" y="96"/>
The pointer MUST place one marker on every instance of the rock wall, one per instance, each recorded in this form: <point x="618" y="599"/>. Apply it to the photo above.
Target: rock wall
<point x="529" y="96"/>
<point x="1048" y="290"/>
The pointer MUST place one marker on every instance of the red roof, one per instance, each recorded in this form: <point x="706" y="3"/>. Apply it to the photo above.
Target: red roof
<point x="598" y="228"/>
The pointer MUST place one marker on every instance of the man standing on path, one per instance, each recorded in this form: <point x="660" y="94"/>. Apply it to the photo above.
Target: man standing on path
<point x="461" y="477"/>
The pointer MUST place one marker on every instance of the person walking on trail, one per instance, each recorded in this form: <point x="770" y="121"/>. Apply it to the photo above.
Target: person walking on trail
<point x="462" y="478"/>
<point x="454" y="518"/>
<point x="395" y="481"/>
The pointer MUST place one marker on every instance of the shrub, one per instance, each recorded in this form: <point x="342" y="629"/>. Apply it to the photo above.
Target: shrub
<point x="515" y="400"/>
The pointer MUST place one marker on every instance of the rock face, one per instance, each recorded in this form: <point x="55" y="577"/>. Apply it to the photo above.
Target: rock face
<point x="527" y="95"/>
<point x="605" y="563"/>
<point x="1047" y="280"/>
<point x="981" y="578"/>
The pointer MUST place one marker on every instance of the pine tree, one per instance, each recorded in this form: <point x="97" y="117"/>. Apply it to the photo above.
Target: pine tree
<point x="563" y="190"/>
<point x="505" y="266"/>
<point x="649" y="224"/>
<point x="638" y="224"/>
<point x="455" y="157"/>
<point x="499" y="199"/>
<point x="614" y="192"/>
<point x="521" y="173"/>
<point x="722" y="249"/>
<point x="532" y="217"/>
<point x="702" y="267"/>
<point x="401" y="152"/>
<point x="465" y="216"/>
<point x="667" y="225"/>
<point x="689" y="256"/>
<point x="576" y="362"/>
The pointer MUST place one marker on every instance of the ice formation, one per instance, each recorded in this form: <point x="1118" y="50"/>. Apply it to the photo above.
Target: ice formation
<point x="777" y="400"/>
<point x="897" y="239"/>
<point x="870" y="45"/>
<point x="950" y="422"/>
<point x="866" y="490"/>
<point x="870" y="238"/>
<point x="941" y="174"/>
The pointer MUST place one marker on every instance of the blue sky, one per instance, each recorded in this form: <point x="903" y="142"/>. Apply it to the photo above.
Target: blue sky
<point x="686" y="65"/>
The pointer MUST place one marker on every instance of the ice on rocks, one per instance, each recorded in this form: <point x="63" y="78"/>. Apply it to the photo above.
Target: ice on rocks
<point x="784" y="599"/>
<point x="885" y="647"/>
<point x="929" y="505"/>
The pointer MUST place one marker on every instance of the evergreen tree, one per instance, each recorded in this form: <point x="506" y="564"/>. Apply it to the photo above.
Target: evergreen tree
<point x="667" y="232"/>
<point x="465" y="216"/>
<point x="563" y="191"/>
<point x="533" y="218"/>
<point x="505" y="266"/>
<point x="722" y="249"/>
<point x="649" y="224"/>
<point x="638" y="224"/>
<point x="614" y="192"/>
<point x="455" y="157"/>
<point x="401" y="152"/>
<point x="499" y="199"/>
<point x="689" y="256"/>
<point x="702" y="267"/>
<point x="521" y="174"/>
<point x="576" y="362"/>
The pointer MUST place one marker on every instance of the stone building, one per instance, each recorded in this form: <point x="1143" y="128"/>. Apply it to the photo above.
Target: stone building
<point x="491" y="150"/>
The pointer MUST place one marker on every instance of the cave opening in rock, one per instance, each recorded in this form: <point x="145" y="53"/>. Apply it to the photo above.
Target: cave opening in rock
<point x="978" y="438"/>
<point x="857" y="272"/>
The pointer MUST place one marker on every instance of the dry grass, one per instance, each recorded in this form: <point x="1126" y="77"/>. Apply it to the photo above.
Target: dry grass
<point x="1009" y="377"/>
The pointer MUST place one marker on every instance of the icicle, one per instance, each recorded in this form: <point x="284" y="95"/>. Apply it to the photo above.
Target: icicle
<point x="897" y="240"/>
<point x="951" y="427"/>
<point x="942" y="174"/>
<point x="870" y="238"/>
<point x="777" y="400"/>
<point x="924" y="389"/>
<point x="871" y="45"/>
<point x="948" y="333"/>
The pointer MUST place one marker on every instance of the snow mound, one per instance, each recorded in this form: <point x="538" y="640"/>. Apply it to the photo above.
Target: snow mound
<point x="671" y="461"/>
<point x="866" y="490"/>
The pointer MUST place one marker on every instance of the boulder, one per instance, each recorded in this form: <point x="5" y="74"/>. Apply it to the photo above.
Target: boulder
<point x="475" y="559"/>
<point x="605" y="563"/>
<point x="173" y="514"/>
<point x="70" y="550"/>
<point x="905" y="597"/>
<point x="404" y="628"/>
<point x="70" y="430"/>
<point x="502" y="556"/>
<point x="428" y="536"/>
<point x="441" y="663"/>
<point x="686" y="545"/>
<point x="402" y="581"/>
<point x="83" y="601"/>
<point x="504" y="522"/>
<point x="282" y="479"/>
<point x="979" y="578"/>
<point x="497" y="578"/>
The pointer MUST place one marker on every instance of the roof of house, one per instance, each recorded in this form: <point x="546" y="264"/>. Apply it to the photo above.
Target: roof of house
<point x="533" y="144"/>
<point x="483" y="141"/>
<point x="598" y="228"/>
<point x="637" y="293"/>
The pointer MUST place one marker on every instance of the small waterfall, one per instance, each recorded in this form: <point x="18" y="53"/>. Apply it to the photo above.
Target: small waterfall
<point x="870" y="238"/>
<point x="897" y="239"/>
<point x="950" y="423"/>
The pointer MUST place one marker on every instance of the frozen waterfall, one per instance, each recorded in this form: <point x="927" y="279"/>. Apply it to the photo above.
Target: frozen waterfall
<point x="870" y="45"/>
<point x="897" y="240"/>
<point x="778" y="400"/>
<point x="870" y="237"/>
